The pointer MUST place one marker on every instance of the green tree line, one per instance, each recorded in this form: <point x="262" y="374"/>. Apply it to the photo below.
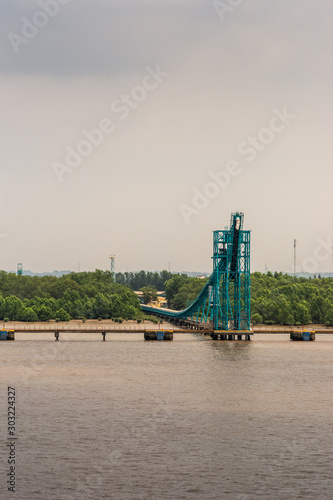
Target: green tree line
<point x="141" y="279"/>
<point x="281" y="299"/>
<point x="275" y="298"/>
<point x="90" y="295"/>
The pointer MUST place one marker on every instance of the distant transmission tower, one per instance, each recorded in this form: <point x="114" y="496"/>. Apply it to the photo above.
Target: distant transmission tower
<point x="294" y="259"/>
<point x="113" y="266"/>
<point x="19" y="269"/>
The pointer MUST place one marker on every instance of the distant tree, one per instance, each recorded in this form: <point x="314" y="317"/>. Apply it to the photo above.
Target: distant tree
<point x="44" y="313"/>
<point x="149" y="294"/>
<point x="13" y="308"/>
<point x="284" y="311"/>
<point x="29" y="315"/>
<point x="302" y="314"/>
<point x="187" y="293"/>
<point x="62" y="315"/>
<point x="130" y="311"/>
<point x="139" y="280"/>
<point x="101" y="307"/>
<point x="256" y="319"/>
<point x="329" y="317"/>
<point x="173" y="286"/>
<point x="115" y="306"/>
<point x="317" y="308"/>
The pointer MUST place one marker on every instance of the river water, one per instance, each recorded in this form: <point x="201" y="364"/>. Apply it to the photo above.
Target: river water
<point x="189" y="419"/>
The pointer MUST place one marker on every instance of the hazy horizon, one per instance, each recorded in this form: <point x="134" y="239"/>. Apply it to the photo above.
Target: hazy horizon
<point x="200" y="113"/>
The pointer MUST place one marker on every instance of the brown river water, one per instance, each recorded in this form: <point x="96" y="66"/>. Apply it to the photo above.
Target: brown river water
<point x="190" y="419"/>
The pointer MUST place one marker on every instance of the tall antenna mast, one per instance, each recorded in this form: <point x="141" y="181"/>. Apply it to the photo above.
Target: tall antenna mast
<point x="294" y="259"/>
<point x="113" y="266"/>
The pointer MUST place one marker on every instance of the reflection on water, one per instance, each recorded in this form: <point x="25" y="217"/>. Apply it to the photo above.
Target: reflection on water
<point x="189" y="419"/>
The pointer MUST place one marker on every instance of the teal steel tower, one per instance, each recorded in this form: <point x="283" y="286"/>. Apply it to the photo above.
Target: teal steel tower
<point x="231" y="277"/>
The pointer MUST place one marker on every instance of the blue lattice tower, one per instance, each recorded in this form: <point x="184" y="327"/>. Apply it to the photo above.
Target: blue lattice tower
<point x="231" y="277"/>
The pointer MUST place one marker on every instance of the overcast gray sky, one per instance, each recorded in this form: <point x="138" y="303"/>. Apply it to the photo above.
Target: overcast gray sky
<point x="205" y="109"/>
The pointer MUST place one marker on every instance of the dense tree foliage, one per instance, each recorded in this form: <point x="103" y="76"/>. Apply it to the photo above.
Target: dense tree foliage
<point x="136" y="281"/>
<point x="280" y="298"/>
<point x="181" y="290"/>
<point x="90" y="295"/>
<point x="275" y="299"/>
